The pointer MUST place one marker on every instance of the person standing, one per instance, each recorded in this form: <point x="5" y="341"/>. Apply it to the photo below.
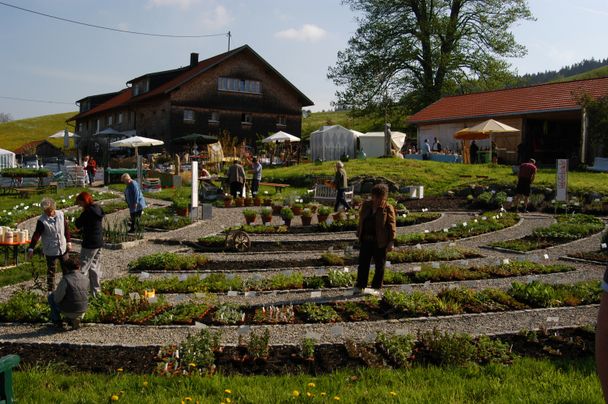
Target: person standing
<point x="341" y="184"/>
<point x="70" y="299"/>
<point x="90" y="225"/>
<point x="473" y="149"/>
<point x="85" y="163"/>
<point x="525" y="177"/>
<point x="236" y="178"/>
<point x="91" y="170"/>
<point x="436" y="146"/>
<point x="135" y="200"/>
<point x="376" y="232"/>
<point x="426" y="150"/>
<point x="256" y="166"/>
<point x="52" y="229"/>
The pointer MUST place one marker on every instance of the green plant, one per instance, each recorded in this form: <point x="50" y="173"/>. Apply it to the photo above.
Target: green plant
<point x="286" y="213"/>
<point x="168" y="262"/>
<point x="399" y="348"/>
<point x="332" y="259"/>
<point x="325" y="211"/>
<point x="228" y="314"/>
<point x="258" y="346"/>
<point x="197" y="352"/>
<point x="318" y="313"/>
<point x="306" y="212"/>
<point x="249" y="214"/>
<point x="339" y="278"/>
<point x="266" y="212"/>
<point x="24" y="306"/>
<point x="307" y="347"/>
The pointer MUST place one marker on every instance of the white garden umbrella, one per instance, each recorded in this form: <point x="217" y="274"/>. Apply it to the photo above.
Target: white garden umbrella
<point x="61" y="135"/>
<point x="137" y="141"/>
<point x="281" y="136"/>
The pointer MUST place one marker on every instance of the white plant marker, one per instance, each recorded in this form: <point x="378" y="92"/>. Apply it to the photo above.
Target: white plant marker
<point x="552" y="319"/>
<point x="119" y="292"/>
<point x="244" y="330"/>
<point x="506" y="261"/>
<point x="604" y="246"/>
<point x="406" y="288"/>
<point x="315" y="294"/>
<point x="416" y="268"/>
<point x="232" y="293"/>
<point x="546" y="256"/>
<point x="199" y="325"/>
<point x="435" y="265"/>
<point x="250" y="293"/>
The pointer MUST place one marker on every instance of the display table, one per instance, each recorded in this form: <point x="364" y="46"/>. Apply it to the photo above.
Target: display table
<point x="443" y="158"/>
<point x="14" y="246"/>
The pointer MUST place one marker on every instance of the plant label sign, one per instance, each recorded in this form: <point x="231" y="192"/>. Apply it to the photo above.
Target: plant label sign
<point x="233" y="293"/>
<point x="552" y="319"/>
<point x="604" y="246"/>
<point x="315" y="294"/>
<point x="199" y="325"/>
<point x="561" y="192"/>
<point x="118" y="292"/>
<point x="250" y="293"/>
<point x="244" y="330"/>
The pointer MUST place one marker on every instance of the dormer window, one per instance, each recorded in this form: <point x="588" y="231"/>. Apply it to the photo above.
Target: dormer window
<point x="239" y="85"/>
<point x="141" y="87"/>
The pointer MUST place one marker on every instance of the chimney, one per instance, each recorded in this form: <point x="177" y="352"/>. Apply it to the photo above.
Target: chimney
<point x="193" y="59"/>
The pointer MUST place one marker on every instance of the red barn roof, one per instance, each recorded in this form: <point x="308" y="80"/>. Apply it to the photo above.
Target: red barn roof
<point x="552" y="97"/>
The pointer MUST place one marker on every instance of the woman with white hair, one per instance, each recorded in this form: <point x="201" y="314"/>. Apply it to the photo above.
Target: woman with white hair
<point x="341" y="184"/>
<point x="135" y="200"/>
<point x="52" y="229"/>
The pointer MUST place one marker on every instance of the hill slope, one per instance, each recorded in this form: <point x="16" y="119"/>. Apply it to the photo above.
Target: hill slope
<point x="16" y="133"/>
<point x="591" y="74"/>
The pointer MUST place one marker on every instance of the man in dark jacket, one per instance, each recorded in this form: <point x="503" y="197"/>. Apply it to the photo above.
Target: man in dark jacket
<point x="341" y="184"/>
<point x="376" y="232"/>
<point x="90" y="225"/>
<point x="71" y="296"/>
<point x="236" y="178"/>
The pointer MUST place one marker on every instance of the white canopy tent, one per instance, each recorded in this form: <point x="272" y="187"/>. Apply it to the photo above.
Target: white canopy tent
<point x="372" y="143"/>
<point x="7" y="159"/>
<point x="331" y="142"/>
<point x="136" y="142"/>
<point x="281" y="137"/>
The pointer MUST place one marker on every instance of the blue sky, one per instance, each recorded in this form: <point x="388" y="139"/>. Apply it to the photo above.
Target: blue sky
<point x="45" y="59"/>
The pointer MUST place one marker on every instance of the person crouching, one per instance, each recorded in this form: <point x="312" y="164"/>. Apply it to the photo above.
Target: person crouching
<point x="71" y="298"/>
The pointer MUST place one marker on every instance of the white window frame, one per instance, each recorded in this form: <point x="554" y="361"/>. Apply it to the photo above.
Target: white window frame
<point x="238" y="85"/>
<point x="188" y="115"/>
<point x="214" y="117"/>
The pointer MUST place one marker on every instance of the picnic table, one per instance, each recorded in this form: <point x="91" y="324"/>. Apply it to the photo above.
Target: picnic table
<point x="277" y="187"/>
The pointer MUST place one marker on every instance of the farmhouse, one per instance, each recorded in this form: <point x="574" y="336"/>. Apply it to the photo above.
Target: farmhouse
<point x="551" y="121"/>
<point x="40" y="148"/>
<point x="236" y="93"/>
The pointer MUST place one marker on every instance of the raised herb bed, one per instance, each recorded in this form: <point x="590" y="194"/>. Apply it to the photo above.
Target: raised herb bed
<point x="163" y="219"/>
<point x="600" y="256"/>
<point x="567" y="229"/>
<point x="489" y="222"/>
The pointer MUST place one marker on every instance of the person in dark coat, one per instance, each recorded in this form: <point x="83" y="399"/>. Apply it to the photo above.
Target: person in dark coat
<point x="90" y="225"/>
<point x="376" y="232"/>
<point x="340" y="182"/>
<point x="52" y="229"/>
<point x="71" y="298"/>
<point x="473" y="152"/>
<point x="236" y="178"/>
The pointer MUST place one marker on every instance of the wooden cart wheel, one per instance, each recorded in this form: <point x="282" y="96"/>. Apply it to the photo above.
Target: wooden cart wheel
<point x="241" y="241"/>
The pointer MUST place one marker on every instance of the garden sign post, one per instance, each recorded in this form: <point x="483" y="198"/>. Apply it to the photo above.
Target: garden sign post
<point x="561" y="192"/>
<point x="194" y="198"/>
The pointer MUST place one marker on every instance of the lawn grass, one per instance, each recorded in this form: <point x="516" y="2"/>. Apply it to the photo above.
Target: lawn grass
<point x="19" y="132"/>
<point x="526" y="380"/>
<point x="436" y="177"/>
<point x="22" y="272"/>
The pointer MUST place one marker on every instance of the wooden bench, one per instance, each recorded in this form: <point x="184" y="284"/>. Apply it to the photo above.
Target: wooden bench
<point x="7" y="363"/>
<point x="27" y="192"/>
<point x="323" y="193"/>
<point x="599" y="164"/>
<point x="277" y="187"/>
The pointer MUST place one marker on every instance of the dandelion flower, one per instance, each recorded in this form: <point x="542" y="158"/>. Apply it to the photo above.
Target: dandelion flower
<point x="145" y="384"/>
<point x="187" y="398"/>
<point x="114" y="397"/>
<point x="295" y="393"/>
<point x="192" y="365"/>
<point x="119" y="370"/>
<point x="392" y="393"/>
<point x="323" y="394"/>
<point x="228" y="391"/>
<point x="228" y="400"/>
<point x="311" y="385"/>
<point x="309" y="394"/>
<point x="336" y="398"/>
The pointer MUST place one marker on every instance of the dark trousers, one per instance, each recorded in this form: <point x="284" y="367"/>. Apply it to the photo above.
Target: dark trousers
<point x="341" y="200"/>
<point x="367" y="251"/>
<point x="51" y="269"/>
<point x="236" y="188"/>
<point x="135" y="220"/>
<point x="255" y="185"/>
<point x="55" y="311"/>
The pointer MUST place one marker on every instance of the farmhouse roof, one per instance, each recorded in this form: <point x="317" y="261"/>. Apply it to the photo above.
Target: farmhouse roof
<point x="551" y="97"/>
<point x="24" y="148"/>
<point x="182" y="76"/>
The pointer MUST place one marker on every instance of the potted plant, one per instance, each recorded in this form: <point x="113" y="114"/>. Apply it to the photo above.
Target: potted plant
<point x="239" y="201"/>
<point x="266" y="215"/>
<point x="306" y="216"/>
<point x="248" y="201"/>
<point x="297" y="208"/>
<point x="267" y="199"/>
<point x="314" y="207"/>
<point x="276" y="207"/>
<point x="257" y="201"/>
<point x="287" y="215"/>
<point x="357" y="201"/>
<point x="341" y="215"/>
<point x="181" y="207"/>
<point x="250" y="215"/>
<point x="323" y="214"/>
<point x="228" y="201"/>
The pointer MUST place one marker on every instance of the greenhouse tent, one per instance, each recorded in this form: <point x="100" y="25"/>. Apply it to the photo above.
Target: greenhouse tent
<point x="331" y="142"/>
<point x="372" y="143"/>
<point x="7" y="159"/>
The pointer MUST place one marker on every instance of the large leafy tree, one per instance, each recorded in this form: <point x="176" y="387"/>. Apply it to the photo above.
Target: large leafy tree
<point x="415" y="51"/>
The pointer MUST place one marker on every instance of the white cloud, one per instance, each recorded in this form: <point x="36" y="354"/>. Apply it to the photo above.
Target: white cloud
<point x="217" y="18"/>
<point x="307" y="33"/>
<point x="182" y="4"/>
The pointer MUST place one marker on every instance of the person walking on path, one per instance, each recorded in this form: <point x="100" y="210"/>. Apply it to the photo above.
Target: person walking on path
<point x="473" y="150"/>
<point x="71" y="298"/>
<point x="256" y="166"/>
<point x="135" y="200"/>
<point x="376" y="232"/>
<point x="340" y="182"/>
<point x="90" y="225"/>
<point x="91" y="170"/>
<point x="525" y="177"/>
<point x="236" y="178"/>
<point x="52" y="229"/>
